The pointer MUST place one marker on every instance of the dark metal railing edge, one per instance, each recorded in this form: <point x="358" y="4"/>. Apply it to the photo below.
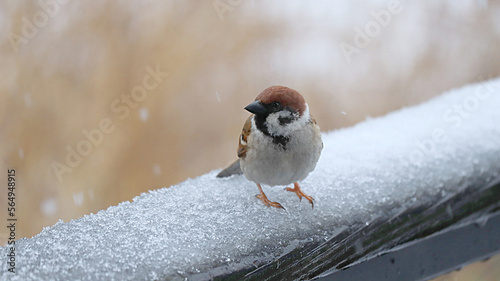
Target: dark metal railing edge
<point x="361" y="243"/>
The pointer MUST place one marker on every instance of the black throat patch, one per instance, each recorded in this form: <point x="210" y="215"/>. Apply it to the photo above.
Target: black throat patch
<point x="260" y="121"/>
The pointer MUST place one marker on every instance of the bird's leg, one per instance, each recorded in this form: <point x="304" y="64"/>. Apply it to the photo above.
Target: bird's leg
<point x="266" y="201"/>
<point x="300" y="193"/>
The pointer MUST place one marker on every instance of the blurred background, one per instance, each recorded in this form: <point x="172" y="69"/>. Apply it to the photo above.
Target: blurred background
<point x="103" y="100"/>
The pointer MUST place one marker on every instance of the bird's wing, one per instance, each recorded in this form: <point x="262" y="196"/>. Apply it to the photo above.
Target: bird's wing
<point x="234" y="168"/>
<point x="242" y="144"/>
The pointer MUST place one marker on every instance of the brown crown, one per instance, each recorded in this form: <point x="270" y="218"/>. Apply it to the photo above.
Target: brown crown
<point x="286" y="96"/>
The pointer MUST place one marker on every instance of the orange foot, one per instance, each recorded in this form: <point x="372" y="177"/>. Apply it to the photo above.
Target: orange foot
<point x="300" y="194"/>
<point x="266" y="201"/>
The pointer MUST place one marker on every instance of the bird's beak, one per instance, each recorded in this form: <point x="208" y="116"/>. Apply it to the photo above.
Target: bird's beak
<point x="256" y="107"/>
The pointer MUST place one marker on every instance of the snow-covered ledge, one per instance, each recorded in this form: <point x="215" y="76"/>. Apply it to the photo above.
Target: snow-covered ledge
<point x="384" y="175"/>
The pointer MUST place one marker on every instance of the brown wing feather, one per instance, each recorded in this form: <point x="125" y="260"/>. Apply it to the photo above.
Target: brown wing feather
<point x="242" y="144"/>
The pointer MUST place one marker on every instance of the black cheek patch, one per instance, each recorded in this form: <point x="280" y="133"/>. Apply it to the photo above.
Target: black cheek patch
<point x="288" y="119"/>
<point x="285" y="120"/>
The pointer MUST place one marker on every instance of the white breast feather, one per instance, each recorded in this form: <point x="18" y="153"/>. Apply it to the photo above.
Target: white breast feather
<point x="269" y="163"/>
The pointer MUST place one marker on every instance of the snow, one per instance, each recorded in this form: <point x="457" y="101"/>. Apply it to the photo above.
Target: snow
<point x="376" y="168"/>
<point x="143" y="114"/>
<point x="217" y="95"/>
<point x="78" y="198"/>
<point x="49" y="206"/>
<point x="156" y="169"/>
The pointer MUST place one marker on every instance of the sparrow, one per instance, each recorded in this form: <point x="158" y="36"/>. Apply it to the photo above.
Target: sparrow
<point x="280" y="143"/>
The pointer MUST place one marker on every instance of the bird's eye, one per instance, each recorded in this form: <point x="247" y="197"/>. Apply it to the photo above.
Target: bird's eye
<point x="276" y="105"/>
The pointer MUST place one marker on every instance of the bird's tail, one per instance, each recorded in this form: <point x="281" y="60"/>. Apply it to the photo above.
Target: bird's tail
<point x="233" y="169"/>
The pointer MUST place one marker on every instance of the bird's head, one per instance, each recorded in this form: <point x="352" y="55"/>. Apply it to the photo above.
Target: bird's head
<point x="279" y="111"/>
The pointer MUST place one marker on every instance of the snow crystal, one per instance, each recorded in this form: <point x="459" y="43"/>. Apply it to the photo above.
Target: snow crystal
<point x="143" y="114"/>
<point x="49" y="206"/>
<point x="78" y="198"/>
<point x="156" y="169"/>
<point x="372" y="169"/>
<point x="217" y="95"/>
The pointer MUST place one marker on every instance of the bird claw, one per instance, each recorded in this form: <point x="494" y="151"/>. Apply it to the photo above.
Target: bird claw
<point x="268" y="202"/>
<point x="293" y="190"/>
<point x="300" y="193"/>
